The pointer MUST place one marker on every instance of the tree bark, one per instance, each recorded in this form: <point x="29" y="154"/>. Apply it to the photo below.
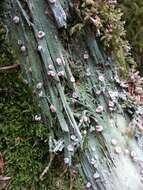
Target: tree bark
<point x="72" y="80"/>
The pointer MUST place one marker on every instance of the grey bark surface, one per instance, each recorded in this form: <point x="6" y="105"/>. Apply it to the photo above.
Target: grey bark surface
<point x="114" y="168"/>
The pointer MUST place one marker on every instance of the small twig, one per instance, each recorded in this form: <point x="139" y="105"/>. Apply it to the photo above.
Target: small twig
<point x="65" y="171"/>
<point x="9" y="67"/>
<point x="52" y="156"/>
<point x="71" y="181"/>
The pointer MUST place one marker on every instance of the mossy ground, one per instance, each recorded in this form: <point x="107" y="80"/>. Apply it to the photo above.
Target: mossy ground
<point x="23" y="141"/>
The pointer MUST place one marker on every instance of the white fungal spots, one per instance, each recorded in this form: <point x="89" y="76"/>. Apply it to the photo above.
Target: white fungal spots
<point x="70" y="148"/>
<point x="39" y="48"/>
<point x="39" y="85"/>
<point x="23" y="48"/>
<point x="73" y="137"/>
<point x="66" y="160"/>
<point x="61" y="73"/>
<point x="101" y="78"/>
<point x="99" y="128"/>
<point x="85" y="119"/>
<point x="88" y="73"/>
<point x="93" y="149"/>
<point x="118" y="150"/>
<point x="96" y="176"/>
<point x="53" y="108"/>
<point x="93" y="161"/>
<point x="86" y="55"/>
<point x="50" y="66"/>
<point x="98" y="92"/>
<point x="133" y="155"/>
<point x="25" y="81"/>
<point x="40" y="34"/>
<point x="37" y="118"/>
<point x="88" y="70"/>
<point x="51" y="73"/>
<point x="59" y="61"/>
<point x="41" y="94"/>
<point x="111" y="104"/>
<point x="19" y="42"/>
<point x="113" y="94"/>
<point x="99" y="109"/>
<point x="30" y="70"/>
<point x="88" y="185"/>
<point x="85" y="132"/>
<point x="52" y="1"/>
<point x="114" y="142"/>
<point x="74" y="95"/>
<point x="76" y="140"/>
<point x="16" y="19"/>
<point x="72" y="79"/>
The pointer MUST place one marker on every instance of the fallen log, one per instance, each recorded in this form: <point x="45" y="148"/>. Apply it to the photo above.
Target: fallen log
<point x="80" y="100"/>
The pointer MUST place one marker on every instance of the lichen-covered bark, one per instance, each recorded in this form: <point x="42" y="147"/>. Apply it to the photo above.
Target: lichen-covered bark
<point x="72" y="80"/>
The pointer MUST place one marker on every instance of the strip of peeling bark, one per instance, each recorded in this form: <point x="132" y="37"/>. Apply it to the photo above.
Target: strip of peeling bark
<point x="77" y="92"/>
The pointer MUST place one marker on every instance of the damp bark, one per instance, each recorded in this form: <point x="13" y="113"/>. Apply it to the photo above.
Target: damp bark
<point x="74" y="84"/>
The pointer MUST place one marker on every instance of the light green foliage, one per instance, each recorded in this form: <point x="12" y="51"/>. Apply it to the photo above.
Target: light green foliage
<point x="105" y="18"/>
<point x="133" y="15"/>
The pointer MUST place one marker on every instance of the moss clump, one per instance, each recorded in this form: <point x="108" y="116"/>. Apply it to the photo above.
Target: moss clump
<point x="133" y="15"/>
<point x="105" y="19"/>
<point x="18" y="130"/>
<point x="24" y="141"/>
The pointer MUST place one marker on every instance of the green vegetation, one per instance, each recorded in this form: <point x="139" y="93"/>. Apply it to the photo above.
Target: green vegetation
<point x="105" y="18"/>
<point x="133" y="15"/>
<point x="24" y="141"/>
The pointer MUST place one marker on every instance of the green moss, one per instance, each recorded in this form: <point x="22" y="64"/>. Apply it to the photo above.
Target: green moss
<point x="105" y="18"/>
<point x="133" y="15"/>
<point x="24" y="142"/>
<point x="18" y="130"/>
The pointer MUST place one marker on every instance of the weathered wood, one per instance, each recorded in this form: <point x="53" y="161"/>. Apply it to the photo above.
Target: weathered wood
<point x="103" y="164"/>
<point x="59" y="13"/>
